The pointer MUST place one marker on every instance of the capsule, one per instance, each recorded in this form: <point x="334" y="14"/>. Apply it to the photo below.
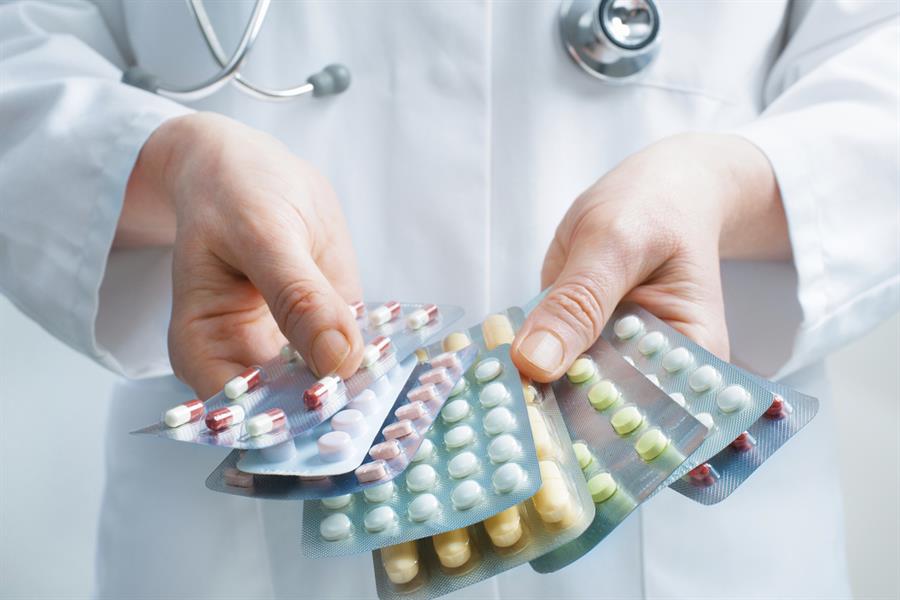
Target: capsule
<point x="223" y="418"/>
<point x="183" y="413"/>
<point x="247" y="380"/>
<point x="401" y="562"/>
<point x="743" y="442"/>
<point x="421" y="317"/>
<point x="376" y="349"/>
<point x="504" y="528"/>
<point x="497" y="330"/>
<point x="316" y="394"/>
<point x="452" y="547"/>
<point x="357" y="309"/>
<point x="385" y="313"/>
<point x="266" y="422"/>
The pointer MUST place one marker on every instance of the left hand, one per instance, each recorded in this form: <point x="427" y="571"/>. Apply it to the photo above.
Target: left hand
<point x="652" y="231"/>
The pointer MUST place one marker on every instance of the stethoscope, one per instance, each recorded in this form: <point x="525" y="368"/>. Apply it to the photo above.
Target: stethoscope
<point x="613" y="40"/>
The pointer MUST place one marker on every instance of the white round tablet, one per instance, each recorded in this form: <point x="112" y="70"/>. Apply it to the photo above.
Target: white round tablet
<point x="335" y="527"/>
<point x="493" y="394"/>
<point x="627" y="327"/>
<point x="706" y="419"/>
<point x="503" y="448"/>
<point x="651" y="343"/>
<point x="704" y="378"/>
<point x="334" y="446"/>
<point x="423" y="508"/>
<point x="678" y="397"/>
<point x="507" y="478"/>
<point x="455" y="410"/>
<point x="379" y="519"/>
<point x="498" y="420"/>
<point x="365" y="402"/>
<point x="466" y="495"/>
<point x="733" y="398"/>
<point x="421" y="478"/>
<point x="462" y="465"/>
<point x="459" y="436"/>
<point x="379" y="493"/>
<point x="677" y="359"/>
<point x="488" y="369"/>
<point x="426" y="449"/>
<point x="336" y="502"/>
<point x="350" y="420"/>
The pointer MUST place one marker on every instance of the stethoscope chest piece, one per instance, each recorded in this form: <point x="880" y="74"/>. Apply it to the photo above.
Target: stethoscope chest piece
<point x="613" y="40"/>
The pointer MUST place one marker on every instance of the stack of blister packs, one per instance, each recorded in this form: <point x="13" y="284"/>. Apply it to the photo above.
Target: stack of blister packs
<point x="450" y="468"/>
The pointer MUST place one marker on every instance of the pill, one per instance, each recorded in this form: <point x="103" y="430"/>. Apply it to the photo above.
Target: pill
<point x="452" y="547"/>
<point x="601" y="487"/>
<point x="369" y="472"/>
<point x="397" y="430"/>
<point x="743" y="442"/>
<point x="678" y="397"/>
<point x="493" y="394"/>
<point x="581" y="370"/>
<point x="357" y="309"/>
<point x="425" y="451"/>
<point x="677" y="360"/>
<point x="466" y="495"/>
<point x="543" y="443"/>
<point x="461" y="386"/>
<point x="266" y="422"/>
<point x="423" y="393"/>
<point x="375" y="350"/>
<point x="530" y="393"/>
<point x="459" y="436"/>
<point x="732" y="399"/>
<point x="497" y="330"/>
<point x="350" y="420"/>
<point x="183" y="413"/>
<point x="507" y="478"/>
<point x="336" y="502"/>
<point x="462" y="465"/>
<point x="651" y="444"/>
<point x="455" y="341"/>
<point x="334" y="445"/>
<point x="447" y="360"/>
<point x="503" y="448"/>
<point x="385" y="450"/>
<point x="421" y="317"/>
<point x="247" y="380"/>
<point x="423" y="508"/>
<point x="651" y="343"/>
<point x="318" y="392"/>
<point x="439" y="377"/>
<point x="498" y="420"/>
<point x="400" y="562"/>
<point x="626" y="419"/>
<point x="379" y="493"/>
<point x="583" y="454"/>
<point x="421" y="478"/>
<point x="779" y="409"/>
<point x="288" y="354"/>
<point x="384" y="314"/>
<point x="653" y="379"/>
<point x="603" y="394"/>
<point x="553" y="502"/>
<point x="379" y="518"/>
<point x="335" y="527"/>
<point x="412" y="411"/>
<point x="487" y="370"/>
<point x="704" y="378"/>
<point x="706" y="419"/>
<point x="236" y="478"/>
<point x="455" y="410"/>
<point x="704" y="475"/>
<point x="223" y="418"/>
<point x="627" y="327"/>
<point x="504" y="528"/>
<point x="365" y="402"/>
<point x="421" y="355"/>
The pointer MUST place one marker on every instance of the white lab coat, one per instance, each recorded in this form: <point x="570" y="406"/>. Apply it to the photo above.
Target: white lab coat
<point x="464" y="137"/>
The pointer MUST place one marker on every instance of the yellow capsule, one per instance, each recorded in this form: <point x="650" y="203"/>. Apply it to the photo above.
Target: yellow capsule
<point x="504" y="528"/>
<point x="452" y="547"/>
<point x="553" y="502"/>
<point x="456" y="341"/>
<point x="497" y="330"/>
<point x="543" y="443"/>
<point x="401" y="562"/>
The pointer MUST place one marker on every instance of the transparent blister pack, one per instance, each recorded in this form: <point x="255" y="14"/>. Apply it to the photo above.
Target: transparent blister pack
<point x="559" y="511"/>
<point x="477" y="459"/>
<point x="717" y="478"/>
<point x="409" y="326"/>
<point x="629" y="437"/>
<point x="726" y="399"/>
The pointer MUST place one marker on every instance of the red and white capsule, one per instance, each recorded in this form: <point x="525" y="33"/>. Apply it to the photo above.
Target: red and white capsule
<point x="271" y="420"/>
<point x="357" y="309"/>
<point x="244" y="382"/>
<point x="704" y="475"/>
<point x="376" y="349"/>
<point x="778" y="410"/>
<point x="183" y="413"/>
<point x="743" y="442"/>
<point x="320" y="390"/>
<point x="385" y="313"/>
<point x="421" y="317"/>
<point x="223" y="418"/>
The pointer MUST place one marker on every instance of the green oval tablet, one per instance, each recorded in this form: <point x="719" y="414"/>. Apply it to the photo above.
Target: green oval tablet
<point x="651" y="444"/>
<point x="603" y="395"/>
<point x="583" y="454"/>
<point x="581" y="370"/>
<point x="602" y="487"/>
<point x="627" y="419"/>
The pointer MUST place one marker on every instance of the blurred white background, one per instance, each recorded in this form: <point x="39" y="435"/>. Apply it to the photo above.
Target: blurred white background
<point x="51" y="481"/>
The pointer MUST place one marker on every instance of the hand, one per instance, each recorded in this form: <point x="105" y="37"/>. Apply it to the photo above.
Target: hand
<point x="652" y="231"/>
<point x="262" y="252"/>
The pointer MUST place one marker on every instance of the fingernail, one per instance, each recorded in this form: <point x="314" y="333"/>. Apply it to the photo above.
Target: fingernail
<point x="544" y="350"/>
<point x="329" y="349"/>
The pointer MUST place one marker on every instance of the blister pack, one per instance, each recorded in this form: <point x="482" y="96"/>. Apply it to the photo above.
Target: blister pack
<point x="726" y="399"/>
<point x="477" y="459"/>
<point x="407" y="325"/>
<point x="558" y="512"/>
<point x="629" y="437"/>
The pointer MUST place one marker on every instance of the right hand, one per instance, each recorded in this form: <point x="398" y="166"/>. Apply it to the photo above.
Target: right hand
<point x="262" y="252"/>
